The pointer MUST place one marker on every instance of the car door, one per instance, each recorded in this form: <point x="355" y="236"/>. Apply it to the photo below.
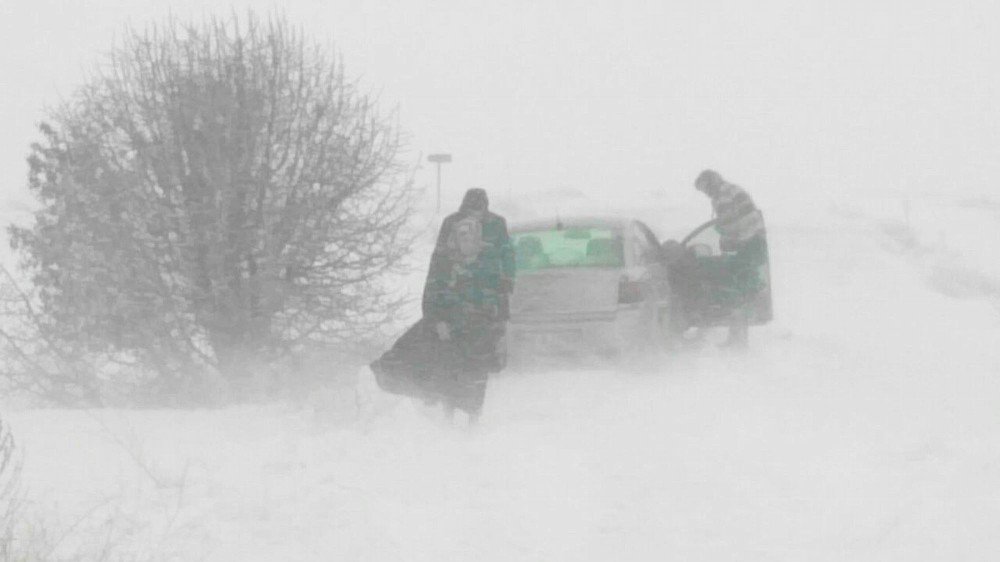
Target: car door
<point x="640" y="291"/>
<point x="649" y="256"/>
<point x="721" y="280"/>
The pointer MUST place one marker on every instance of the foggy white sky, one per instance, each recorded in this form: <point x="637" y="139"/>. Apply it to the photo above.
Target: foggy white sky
<point x="613" y="97"/>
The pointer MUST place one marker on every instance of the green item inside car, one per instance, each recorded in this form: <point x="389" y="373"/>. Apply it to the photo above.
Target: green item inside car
<point x="577" y="247"/>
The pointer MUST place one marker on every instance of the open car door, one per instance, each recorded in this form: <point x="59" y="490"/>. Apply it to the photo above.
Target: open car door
<point x="711" y="283"/>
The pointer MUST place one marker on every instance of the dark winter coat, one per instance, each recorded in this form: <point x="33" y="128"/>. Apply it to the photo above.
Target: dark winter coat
<point x="454" y="289"/>
<point x="471" y="296"/>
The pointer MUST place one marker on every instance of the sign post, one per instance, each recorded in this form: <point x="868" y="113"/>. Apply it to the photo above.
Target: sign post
<point x="439" y="159"/>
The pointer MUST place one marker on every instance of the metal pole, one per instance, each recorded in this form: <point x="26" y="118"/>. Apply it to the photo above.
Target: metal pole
<point x="439" y="188"/>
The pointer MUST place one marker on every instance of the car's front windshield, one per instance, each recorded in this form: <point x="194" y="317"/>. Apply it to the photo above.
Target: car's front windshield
<point x="568" y="247"/>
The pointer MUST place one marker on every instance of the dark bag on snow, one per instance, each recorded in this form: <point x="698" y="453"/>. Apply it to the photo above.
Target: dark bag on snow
<point x="417" y="365"/>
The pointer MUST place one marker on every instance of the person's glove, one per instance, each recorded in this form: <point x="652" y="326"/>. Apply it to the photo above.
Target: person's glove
<point x="444" y="334"/>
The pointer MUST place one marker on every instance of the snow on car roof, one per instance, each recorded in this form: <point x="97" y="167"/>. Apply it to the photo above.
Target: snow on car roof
<point x="608" y="222"/>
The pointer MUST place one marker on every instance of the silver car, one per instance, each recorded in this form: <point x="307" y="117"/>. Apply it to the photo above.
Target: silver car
<point x="586" y="286"/>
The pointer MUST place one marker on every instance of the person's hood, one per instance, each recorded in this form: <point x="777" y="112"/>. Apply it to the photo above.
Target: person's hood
<point x="709" y="182"/>
<point x="475" y="200"/>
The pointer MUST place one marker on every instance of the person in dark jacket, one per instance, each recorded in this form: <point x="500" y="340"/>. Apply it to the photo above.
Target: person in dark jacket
<point x="448" y="354"/>
<point x="497" y="253"/>
<point x="466" y="296"/>
<point x="742" y="237"/>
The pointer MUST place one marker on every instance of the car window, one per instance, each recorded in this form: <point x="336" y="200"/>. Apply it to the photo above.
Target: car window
<point x="568" y="247"/>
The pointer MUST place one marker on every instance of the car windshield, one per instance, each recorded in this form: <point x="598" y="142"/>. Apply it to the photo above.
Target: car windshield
<point x="568" y="247"/>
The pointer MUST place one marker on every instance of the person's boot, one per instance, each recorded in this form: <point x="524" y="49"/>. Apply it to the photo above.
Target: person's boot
<point x="738" y="337"/>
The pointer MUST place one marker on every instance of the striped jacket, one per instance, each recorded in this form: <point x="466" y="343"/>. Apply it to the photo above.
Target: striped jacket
<point x="738" y="218"/>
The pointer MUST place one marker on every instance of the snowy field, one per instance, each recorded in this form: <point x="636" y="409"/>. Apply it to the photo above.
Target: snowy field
<point x="864" y="424"/>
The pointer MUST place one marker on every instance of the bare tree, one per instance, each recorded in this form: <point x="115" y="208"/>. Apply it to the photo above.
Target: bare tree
<point x="217" y="193"/>
<point x="10" y="502"/>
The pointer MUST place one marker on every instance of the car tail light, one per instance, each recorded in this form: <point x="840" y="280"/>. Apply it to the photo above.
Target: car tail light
<point x="629" y="291"/>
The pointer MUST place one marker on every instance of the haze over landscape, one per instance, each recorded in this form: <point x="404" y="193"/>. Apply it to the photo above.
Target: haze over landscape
<point x="862" y="424"/>
<point x="788" y="97"/>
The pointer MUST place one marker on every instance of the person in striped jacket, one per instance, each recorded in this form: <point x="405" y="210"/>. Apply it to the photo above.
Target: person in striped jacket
<point x="740" y="225"/>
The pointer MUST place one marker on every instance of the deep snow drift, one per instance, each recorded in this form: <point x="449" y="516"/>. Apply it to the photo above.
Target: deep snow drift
<point x="863" y="424"/>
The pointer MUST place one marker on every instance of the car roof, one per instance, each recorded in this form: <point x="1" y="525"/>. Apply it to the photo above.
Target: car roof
<point x="608" y="222"/>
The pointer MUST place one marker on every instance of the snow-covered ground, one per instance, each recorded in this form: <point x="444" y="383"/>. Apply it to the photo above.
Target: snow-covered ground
<point x="863" y="425"/>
